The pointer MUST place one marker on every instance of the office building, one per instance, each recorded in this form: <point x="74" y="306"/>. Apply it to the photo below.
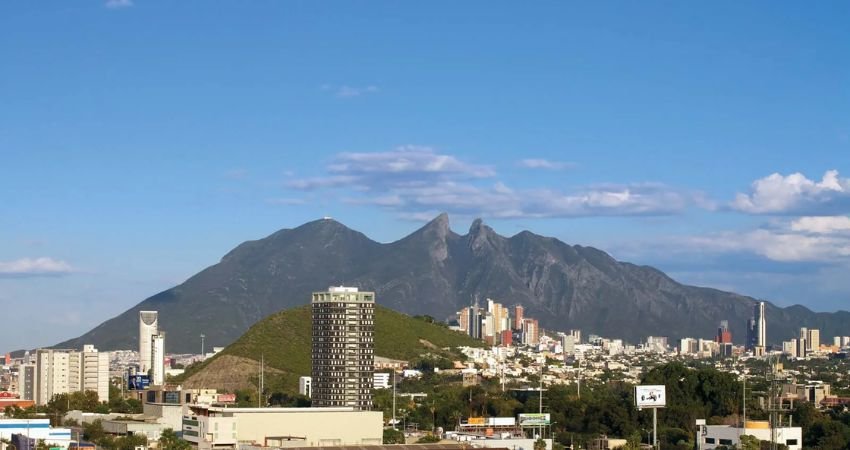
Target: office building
<point x="790" y="348"/>
<point x="148" y="328"/>
<point x="724" y="335"/>
<point x="519" y="315"/>
<point x="802" y="344"/>
<point x="343" y="356"/>
<point x="157" y="369"/>
<point x="530" y="332"/>
<point x="813" y="340"/>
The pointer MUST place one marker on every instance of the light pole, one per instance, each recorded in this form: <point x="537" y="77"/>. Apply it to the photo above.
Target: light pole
<point x="202" y="345"/>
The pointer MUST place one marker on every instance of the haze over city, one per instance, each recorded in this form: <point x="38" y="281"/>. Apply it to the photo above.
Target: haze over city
<point x="143" y="140"/>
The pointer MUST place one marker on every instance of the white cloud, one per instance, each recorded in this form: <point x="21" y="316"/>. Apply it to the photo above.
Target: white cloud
<point x="116" y="4"/>
<point x="796" y="195"/>
<point x="345" y="91"/>
<point x="286" y="201"/>
<point x="406" y="160"/>
<point x="31" y="267"/>
<point x="538" y="163"/>
<point x="412" y="180"/>
<point x="821" y="225"/>
<point x="778" y="245"/>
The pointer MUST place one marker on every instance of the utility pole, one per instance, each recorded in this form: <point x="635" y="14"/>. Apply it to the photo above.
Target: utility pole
<point x="394" y="422"/>
<point x="744" y="424"/>
<point x="260" y="383"/>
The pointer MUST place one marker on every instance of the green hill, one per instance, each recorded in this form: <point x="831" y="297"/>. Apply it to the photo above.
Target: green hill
<point x="282" y="340"/>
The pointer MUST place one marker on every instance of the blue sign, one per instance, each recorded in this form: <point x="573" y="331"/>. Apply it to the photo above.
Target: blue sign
<point x="138" y="382"/>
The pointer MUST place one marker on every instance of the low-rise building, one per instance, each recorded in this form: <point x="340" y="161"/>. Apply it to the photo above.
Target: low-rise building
<point x="38" y="429"/>
<point x="728" y="436"/>
<point x="218" y="428"/>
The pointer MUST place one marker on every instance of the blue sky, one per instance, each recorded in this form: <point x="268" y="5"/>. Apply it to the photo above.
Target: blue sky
<point x="141" y="140"/>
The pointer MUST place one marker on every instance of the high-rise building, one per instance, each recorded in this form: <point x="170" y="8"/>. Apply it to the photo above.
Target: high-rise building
<point x="463" y="319"/>
<point x="530" y="332"/>
<point x="90" y="371"/>
<point x="158" y="359"/>
<point x="475" y="321"/>
<point x="148" y="328"/>
<point x="813" y="340"/>
<point x="66" y="371"/>
<point x="724" y="336"/>
<point x="26" y="381"/>
<point x="576" y="334"/>
<point x="52" y="374"/>
<point x="343" y="355"/>
<point x="519" y="312"/>
<point x="760" y="329"/>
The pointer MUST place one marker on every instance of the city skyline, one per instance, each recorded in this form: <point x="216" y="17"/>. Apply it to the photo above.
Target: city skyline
<point x="640" y="129"/>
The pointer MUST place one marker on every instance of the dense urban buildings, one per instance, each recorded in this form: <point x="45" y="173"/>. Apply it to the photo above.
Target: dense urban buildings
<point x="342" y="348"/>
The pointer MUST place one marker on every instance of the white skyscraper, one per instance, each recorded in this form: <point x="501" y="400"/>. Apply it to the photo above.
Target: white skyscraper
<point x="158" y="359"/>
<point x="761" y="329"/>
<point x="148" y="328"/>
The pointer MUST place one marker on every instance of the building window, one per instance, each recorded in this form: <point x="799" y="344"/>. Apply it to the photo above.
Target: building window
<point x="790" y="442"/>
<point x="726" y="442"/>
<point x="709" y="440"/>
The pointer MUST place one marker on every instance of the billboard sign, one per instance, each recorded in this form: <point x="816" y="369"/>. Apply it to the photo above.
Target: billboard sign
<point x="226" y="398"/>
<point x="650" y="396"/>
<point x="138" y="382"/>
<point x="526" y="420"/>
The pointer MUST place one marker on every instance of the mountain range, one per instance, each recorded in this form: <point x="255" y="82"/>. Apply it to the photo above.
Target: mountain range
<point x="435" y="271"/>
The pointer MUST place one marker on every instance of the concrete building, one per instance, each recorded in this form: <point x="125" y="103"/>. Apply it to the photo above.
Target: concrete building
<point x="148" y="328"/>
<point x="519" y="314"/>
<point x="305" y="385"/>
<point x="52" y="374"/>
<point x="725" y="435"/>
<point x="381" y="380"/>
<point x="92" y="369"/>
<point x="26" y="381"/>
<point x="790" y="348"/>
<point x="812" y="340"/>
<point x="530" y="332"/>
<point x="157" y="359"/>
<point x="219" y="428"/>
<point x="343" y="346"/>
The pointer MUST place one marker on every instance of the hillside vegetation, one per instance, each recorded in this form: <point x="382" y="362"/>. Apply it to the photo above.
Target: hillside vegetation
<point x="282" y="340"/>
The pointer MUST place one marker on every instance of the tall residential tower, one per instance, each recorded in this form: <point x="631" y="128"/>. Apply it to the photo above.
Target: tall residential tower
<point x="343" y="355"/>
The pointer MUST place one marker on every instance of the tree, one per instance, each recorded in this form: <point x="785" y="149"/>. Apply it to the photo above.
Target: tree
<point x="428" y="439"/>
<point x="539" y="444"/>
<point x="749" y="442"/>
<point x="169" y="440"/>
<point x="392" y="436"/>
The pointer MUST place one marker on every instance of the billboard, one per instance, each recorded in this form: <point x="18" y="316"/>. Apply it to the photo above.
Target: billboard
<point x="489" y="421"/>
<point x="226" y="398"/>
<point x="650" y="396"/>
<point x="534" y="419"/>
<point x="138" y="382"/>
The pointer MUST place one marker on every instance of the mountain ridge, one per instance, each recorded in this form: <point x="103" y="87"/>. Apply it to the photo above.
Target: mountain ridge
<point x="436" y="271"/>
